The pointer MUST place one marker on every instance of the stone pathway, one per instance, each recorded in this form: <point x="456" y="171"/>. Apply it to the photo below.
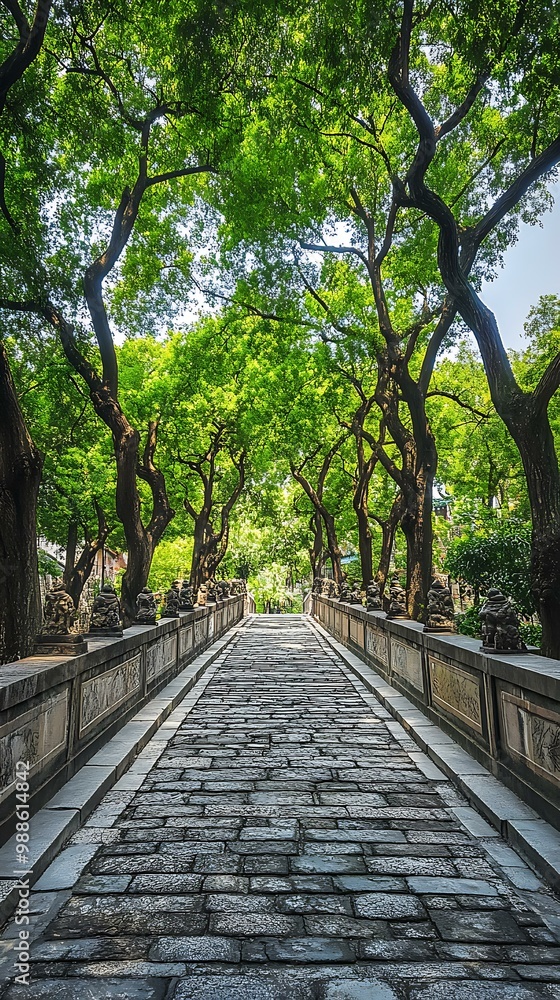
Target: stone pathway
<point x="289" y="842"/>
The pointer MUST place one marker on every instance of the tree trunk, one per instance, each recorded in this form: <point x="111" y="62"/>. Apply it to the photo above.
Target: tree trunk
<point x="70" y="559"/>
<point x="533" y="436"/>
<point x="140" y="547"/>
<point x="364" y="542"/>
<point x="526" y="417"/>
<point x="388" y="529"/>
<point x="77" y="573"/>
<point x="20" y="475"/>
<point x="387" y="539"/>
<point x="416" y="523"/>
<point x="317" y="551"/>
<point x="335" y="554"/>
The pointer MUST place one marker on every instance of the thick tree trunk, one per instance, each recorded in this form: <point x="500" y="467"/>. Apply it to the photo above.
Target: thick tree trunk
<point x="526" y="417"/>
<point x="387" y="539"/>
<point x="20" y="475"/>
<point x="141" y="541"/>
<point x="418" y="531"/>
<point x="208" y="551"/>
<point x="335" y="555"/>
<point x="416" y="523"/>
<point x="317" y="551"/>
<point x="199" y="553"/>
<point x="534" y="439"/>
<point x="364" y="542"/>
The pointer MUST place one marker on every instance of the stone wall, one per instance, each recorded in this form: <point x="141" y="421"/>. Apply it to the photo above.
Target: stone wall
<point x="57" y="711"/>
<point x="504" y="709"/>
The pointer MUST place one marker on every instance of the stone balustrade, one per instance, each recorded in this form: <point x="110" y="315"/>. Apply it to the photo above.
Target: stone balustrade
<point x="57" y="711"/>
<point x="504" y="709"/>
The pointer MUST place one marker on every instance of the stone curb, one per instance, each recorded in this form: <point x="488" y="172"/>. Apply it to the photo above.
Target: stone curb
<point x="66" y="812"/>
<point x="505" y="811"/>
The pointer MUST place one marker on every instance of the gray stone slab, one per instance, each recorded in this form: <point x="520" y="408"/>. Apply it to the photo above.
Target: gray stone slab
<point x="449" y="990"/>
<point x="66" y="869"/>
<point x="245" y="987"/>
<point x="92" y="989"/>
<point x="85" y="790"/>
<point x="309" y="864"/>
<point x="309" y="949"/>
<point x="498" y="803"/>
<point x="389" y="906"/>
<point x="451" y="886"/>
<point x="540" y="842"/>
<point x="497" y="927"/>
<point x="474" y="823"/>
<point x="203" y="948"/>
<point x="48" y="830"/>
<point x="350" y="989"/>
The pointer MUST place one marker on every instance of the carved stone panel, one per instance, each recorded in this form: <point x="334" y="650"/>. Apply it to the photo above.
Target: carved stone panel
<point x="406" y="663"/>
<point x="532" y="733"/>
<point x="103" y="694"/>
<point x="337" y="624"/>
<point x="357" y="632"/>
<point x="36" y="736"/>
<point x="161" y="656"/>
<point x="377" y="645"/>
<point x="211" y="625"/>
<point x="185" y="640"/>
<point x="457" y="692"/>
<point x="199" y="631"/>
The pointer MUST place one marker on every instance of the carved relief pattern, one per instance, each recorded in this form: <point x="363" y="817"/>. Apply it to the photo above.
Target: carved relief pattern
<point x="160" y="656"/>
<point x="457" y="692"/>
<point x="211" y="626"/>
<point x="199" y="631"/>
<point x="101" y="695"/>
<point x="337" y="624"/>
<point x="357" y="631"/>
<point x="377" y="646"/>
<point x="36" y="736"/>
<point x="532" y="733"/>
<point x="185" y="640"/>
<point x="406" y="663"/>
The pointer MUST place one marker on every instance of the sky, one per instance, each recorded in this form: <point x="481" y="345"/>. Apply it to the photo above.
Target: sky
<point x="531" y="269"/>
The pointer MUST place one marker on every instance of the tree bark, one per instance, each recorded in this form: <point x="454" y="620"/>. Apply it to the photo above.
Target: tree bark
<point x="70" y="558"/>
<point x="317" y="553"/>
<point x="525" y="414"/>
<point x="21" y="465"/>
<point x="210" y="546"/>
<point x="333" y="548"/>
<point x="364" y="542"/>
<point x="388" y="528"/>
<point x="417" y="527"/>
<point x="77" y="573"/>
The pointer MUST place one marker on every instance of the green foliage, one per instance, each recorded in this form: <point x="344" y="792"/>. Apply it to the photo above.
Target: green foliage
<point x="496" y="555"/>
<point x="468" y="622"/>
<point x="47" y="565"/>
<point x="270" y="590"/>
<point x="172" y="561"/>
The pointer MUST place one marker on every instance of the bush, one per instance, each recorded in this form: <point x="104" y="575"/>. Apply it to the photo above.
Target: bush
<point x="468" y="622"/>
<point x="495" y="555"/>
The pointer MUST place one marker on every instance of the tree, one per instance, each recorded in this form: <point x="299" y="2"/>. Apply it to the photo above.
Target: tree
<point x="97" y="73"/>
<point x="327" y="192"/>
<point x="20" y="459"/>
<point x="504" y="58"/>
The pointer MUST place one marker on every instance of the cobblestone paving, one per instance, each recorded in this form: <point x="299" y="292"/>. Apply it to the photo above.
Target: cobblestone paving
<point x="288" y="845"/>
